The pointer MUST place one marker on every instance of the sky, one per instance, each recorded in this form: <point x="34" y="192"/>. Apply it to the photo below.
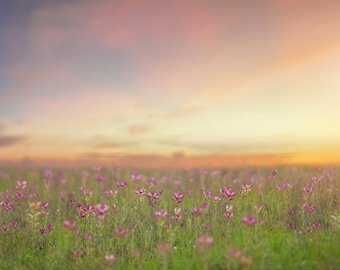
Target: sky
<point x="170" y="83"/>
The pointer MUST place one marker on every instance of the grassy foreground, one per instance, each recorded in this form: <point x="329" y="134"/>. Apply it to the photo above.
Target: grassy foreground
<point x="119" y="218"/>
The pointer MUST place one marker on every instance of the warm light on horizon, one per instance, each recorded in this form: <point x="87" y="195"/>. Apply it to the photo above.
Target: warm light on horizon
<point x="182" y="83"/>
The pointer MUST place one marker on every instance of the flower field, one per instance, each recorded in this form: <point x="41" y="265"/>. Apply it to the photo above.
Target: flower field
<point x="122" y="218"/>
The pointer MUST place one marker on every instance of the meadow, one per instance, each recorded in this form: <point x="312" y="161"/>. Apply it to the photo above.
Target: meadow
<point x="123" y="218"/>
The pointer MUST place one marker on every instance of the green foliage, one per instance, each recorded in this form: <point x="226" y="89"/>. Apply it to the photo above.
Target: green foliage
<point x="290" y="227"/>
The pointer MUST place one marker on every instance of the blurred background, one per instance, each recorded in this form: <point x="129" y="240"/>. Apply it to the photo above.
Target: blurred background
<point x="169" y="83"/>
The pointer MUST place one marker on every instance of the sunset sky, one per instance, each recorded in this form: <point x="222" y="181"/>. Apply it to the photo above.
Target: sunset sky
<point x="184" y="82"/>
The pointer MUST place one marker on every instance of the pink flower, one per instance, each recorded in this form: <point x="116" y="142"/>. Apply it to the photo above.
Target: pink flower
<point x="69" y="224"/>
<point x="102" y="209"/>
<point x="196" y="211"/>
<point x="250" y="220"/>
<point x="204" y="241"/>
<point x="163" y="247"/>
<point x="140" y="191"/>
<point x="120" y="232"/>
<point x="88" y="236"/>
<point x="110" y="259"/>
<point x="177" y="196"/>
<point x="228" y="193"/>
<point x="228" y="214"/>
<point x="77" y="253"/>
<point x="161" y="213"/>
<point x="122" y="184"/>
<point x="176" y="217"/>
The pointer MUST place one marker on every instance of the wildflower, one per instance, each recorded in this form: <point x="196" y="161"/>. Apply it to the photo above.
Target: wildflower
<point x="228" y="193"/>
<point x="177" y="196"/>
<point x="316" y="225"/>
<point x="163" y="247"/>
<point x="161" y="213"/>
<point x="42" y="231"/>
<point x="120" y="232"/>
<point x="70" y="202"/>
<point x="250" y="220"/>
<point x="176" y="217"/>
<point x="100" y="178"/>
<point x="229" y="207"/>
<point x="77" y="253"/>
<point x="234" y="252"/>
<point x="21" y="184"/>
<point x="196" y="211"/>
<point x="102" y="209"/>
<point x="204" y="205"/>
<point x="307" y="190"/>
<point x="110" y="259"/>
<point x="217" y="198"/>
<point x="308" y="228"/>
<point x="88" y="236"/>
<point x="204" y="241"/>
<point x="70" y="225"/>
<point x="122" y="184"/>
<point x="177" y="210"/>
<point x="13" y="223"/>
<point x="43" y="204"/>
<point x="140" y="191"/>
<point x="228" y="214"/>
<point x="246" y="187"/>
<point x="49" y="227"/>
<point x="274" y="172"/>
<point x="135" y="176"/>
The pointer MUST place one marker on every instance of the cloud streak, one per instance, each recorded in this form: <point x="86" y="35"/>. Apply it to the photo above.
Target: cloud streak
<point x="10" y="140"/>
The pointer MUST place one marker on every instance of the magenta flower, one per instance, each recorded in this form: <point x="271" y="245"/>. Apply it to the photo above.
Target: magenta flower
<point x="70" y="225"/>
<point x="228" y="214"/>
<point x="228" y="193"/>
<point x="120" y="232"/>
<point x="176" y="217"/>
<point x="204" y="241"/>
<point x="102" y="209"/>
<point x="204" y="205"/>
<point x="234" y="252"/>
<point x="88" y="236"/>
<point x="100" y="178"/>
<point x="49" y="227"/>
<point x="77" y="253"/>
<point x="140" y="191"/>
<point x="250" y="220"/>
<point x="163" y="247"/>
<point x="43" y="204"/>
<point x="110" y="259"/>
<point x="316" y="225"/>
<point x="42" y="231"/>
<point x="177" y="196"/>
<point x="152" y="195"/>
<point x="196" y="211"/>
<point x="161" y="213"/>
<point x="122" y="184"/>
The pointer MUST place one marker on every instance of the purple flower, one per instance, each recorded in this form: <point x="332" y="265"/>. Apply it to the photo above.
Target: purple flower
<point x="102" y="209"/>
<point x="228" y="193"/>
<point x="140" y="191"/>
<point x="204" y="241"/>
<point x="177" y="196"/>
<point x="250" y="220"/>
<point x="196" y="211"/>
<point x="122" y="184"/>
<point x="161" y="213"/>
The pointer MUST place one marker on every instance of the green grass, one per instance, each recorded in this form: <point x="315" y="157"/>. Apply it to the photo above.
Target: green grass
<point x="269" y="244"/>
